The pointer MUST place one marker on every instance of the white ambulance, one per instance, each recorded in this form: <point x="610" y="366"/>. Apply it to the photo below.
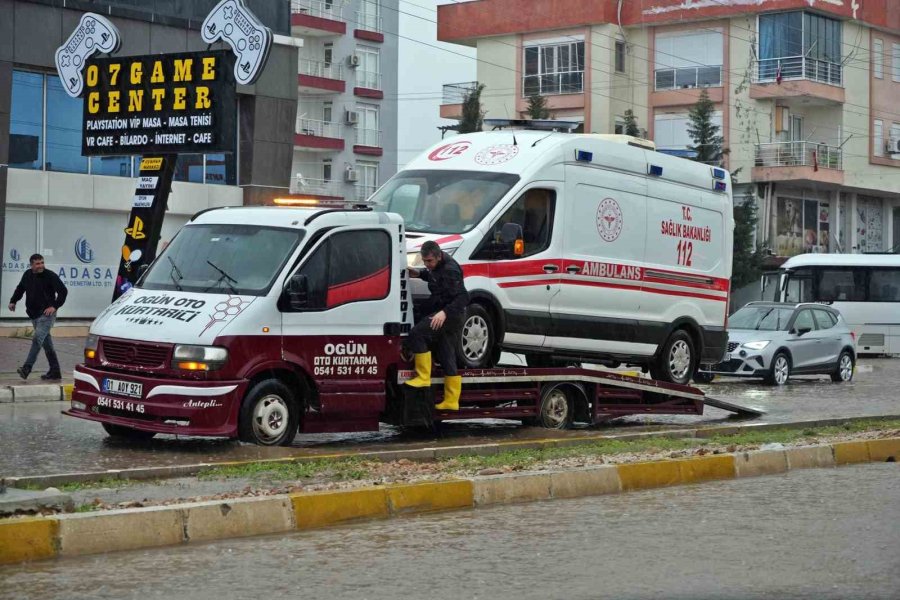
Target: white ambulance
<point x="575" y="248"/>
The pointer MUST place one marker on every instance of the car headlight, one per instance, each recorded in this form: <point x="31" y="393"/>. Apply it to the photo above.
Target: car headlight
<point x="199" y="358"/>
<point x="757" y="345"/>
<point x="90" y="346"/>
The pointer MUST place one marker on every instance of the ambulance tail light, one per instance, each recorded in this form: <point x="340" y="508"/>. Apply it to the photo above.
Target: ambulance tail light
<point x="199" y="358"/>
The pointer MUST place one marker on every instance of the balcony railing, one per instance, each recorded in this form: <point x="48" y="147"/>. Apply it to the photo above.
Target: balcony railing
<point x="317" y="128"/>
<point x="570" y="82"/>
<point x="799" y="154"/>
<point x="368" y="79"/>
<point x="364" y="191"/>
<point x="368" y="137"/>
<point x="325" y="9"/>
<point x="455" y="93"/>
<point x="688" y="77"/>
<point x="767" y="70"/>
<point x="369" y="21"/>
<point x="318" y="187"/>
<point x="318" y="68"/>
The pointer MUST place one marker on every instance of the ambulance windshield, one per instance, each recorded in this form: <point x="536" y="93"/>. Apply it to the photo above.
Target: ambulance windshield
<point x="442" y="201"/>
<point x="220" y="259"/>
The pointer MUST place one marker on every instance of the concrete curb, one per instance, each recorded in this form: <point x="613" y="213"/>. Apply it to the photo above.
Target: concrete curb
<point x="129" y="529"/>
<point x="39" y="392"/>
<point x="422" y="454"/>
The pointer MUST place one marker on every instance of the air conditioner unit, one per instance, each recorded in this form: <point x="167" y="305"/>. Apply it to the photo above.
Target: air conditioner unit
<point x="351" y="175"/>
<point x="353" y="61"/>
<point x="893" y="145"/>
<point x="351" y="117"/>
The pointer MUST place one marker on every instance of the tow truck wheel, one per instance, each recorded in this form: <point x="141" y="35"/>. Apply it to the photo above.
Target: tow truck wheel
<point x="127" y="433"/>
<point x="477" y="342"/>
<point x="556" y="409"/>
<point x="269" y="415"/>
<point x="675" y="363"/>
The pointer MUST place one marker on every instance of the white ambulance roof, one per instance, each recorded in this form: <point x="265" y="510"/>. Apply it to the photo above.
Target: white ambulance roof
<point x="277" y="216"/>
<point x="842" y="260"/>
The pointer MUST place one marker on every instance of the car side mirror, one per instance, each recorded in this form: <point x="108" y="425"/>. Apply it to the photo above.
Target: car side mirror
<point x="510" y="241"/>
<point x="802" y="331"/>
<point x="297" y="291"/>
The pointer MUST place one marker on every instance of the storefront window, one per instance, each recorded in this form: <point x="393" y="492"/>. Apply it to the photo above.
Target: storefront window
<point x="220" y="169"/>
<point x="869" y="224"/>
<point x="26" y="121"/>
<point x="802" y="226"/>
<point x="189" y="168"/>
<point x="64" y="115"/>
<point x="117" y="166"/>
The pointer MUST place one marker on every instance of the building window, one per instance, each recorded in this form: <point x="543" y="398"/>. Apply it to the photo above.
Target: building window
<point x="620" y="126"/>
<point x="799" y="45"/>
<point x="553" y="69"/>
<point x="688" y="59"/>
<point x="210" y="168"/>
<point x="620" y="56"/>
<point x="895" y="62"/>
<point x="368" y="74"/>
<point x="368" y="179"/>
<point x="326" y="169"/>
<point x="327" y="111"/>
<point x="26" y="121"/>
<point x="369" y="15"/>
<point x="115" y="166"/>
<point x="367" y="132"/>
<point x="63" y="138"/>
<point x="878" y="58"/>
<point x="328" y="53"/>
<point x="670" y="132"/>
<point x="878" y="137"/>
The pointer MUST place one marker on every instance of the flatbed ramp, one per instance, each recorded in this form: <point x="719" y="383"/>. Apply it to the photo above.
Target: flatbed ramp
<point x="571" y="394"/>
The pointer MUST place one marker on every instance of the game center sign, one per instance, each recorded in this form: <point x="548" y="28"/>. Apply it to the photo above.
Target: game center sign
<point x="169" y="103"/>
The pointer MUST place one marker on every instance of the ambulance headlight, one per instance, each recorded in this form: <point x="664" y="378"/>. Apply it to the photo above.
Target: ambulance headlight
<point x="199" y="358"/>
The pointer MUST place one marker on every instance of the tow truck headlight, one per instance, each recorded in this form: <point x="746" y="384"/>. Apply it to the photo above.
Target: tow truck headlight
<point x="199" y="358"/>
<point x="90" y="346"/>
<point x="756" y="345"/>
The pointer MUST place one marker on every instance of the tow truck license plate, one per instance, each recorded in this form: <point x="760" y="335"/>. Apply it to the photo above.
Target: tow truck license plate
<point x="122" y="388"/>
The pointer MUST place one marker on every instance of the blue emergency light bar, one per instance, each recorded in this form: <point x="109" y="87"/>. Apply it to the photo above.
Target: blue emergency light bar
<point x="584" y="156"/>
<point x="718" y="173"/>
<point x="655" y="170"/>
<point x="720" y="186"/>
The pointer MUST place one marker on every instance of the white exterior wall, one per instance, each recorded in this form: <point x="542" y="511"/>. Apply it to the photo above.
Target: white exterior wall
<point x="497" y="69"/>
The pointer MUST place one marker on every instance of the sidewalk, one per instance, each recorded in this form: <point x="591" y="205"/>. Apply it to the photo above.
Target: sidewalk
<point x="12" y="354"/>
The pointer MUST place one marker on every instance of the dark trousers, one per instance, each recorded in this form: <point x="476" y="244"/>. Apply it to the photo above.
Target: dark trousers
<point x="442" y="342"/>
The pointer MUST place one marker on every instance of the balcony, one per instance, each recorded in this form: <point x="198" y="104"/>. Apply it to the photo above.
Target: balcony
<point x="820" y="81"/>
<point x="319" y="77"/>
<point x="368" y="85"/>
<point x="454" y="96"/>
<point x="317" y="188"/>
<point x="550" y="84"/>
<point x="369" y="26"/>
<point x="368" y="142"/>
<point x="318" y="136"/>
<point x="798" y="161"/>
<point x="317" y="18"/>
<point x="364" y="191"/>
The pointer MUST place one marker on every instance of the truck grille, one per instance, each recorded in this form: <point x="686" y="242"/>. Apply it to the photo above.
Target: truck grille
<point x="135" y="354"/>
<point x="732" y="346"/>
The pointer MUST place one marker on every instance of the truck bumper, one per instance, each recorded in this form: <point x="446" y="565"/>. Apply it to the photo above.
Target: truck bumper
<point x="176" y="406"/>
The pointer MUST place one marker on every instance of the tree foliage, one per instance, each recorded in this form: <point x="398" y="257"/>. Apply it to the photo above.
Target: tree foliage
<point x="537" y="107"/>
<point x="631" y="126"/>
<point x="708" y="141"/>
<point x="747" y="260"/>
<point x="472" y="114"/>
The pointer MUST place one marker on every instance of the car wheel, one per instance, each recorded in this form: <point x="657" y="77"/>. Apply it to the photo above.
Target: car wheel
<point x="477" y="348"/>
<point x="843" y="372"/>
<point x="269" y="415"/>
<point x="556" y="411"/>
<point x="127" y="433"/>
<point x="780" y="370"/>
<point x="675" y="363"/>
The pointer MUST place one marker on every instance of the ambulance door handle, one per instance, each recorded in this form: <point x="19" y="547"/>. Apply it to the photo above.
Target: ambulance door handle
<point x="550" y="268"/>
<point x="573" y="269"/>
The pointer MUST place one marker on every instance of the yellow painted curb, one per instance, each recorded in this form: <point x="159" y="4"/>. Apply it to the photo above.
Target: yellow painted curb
<point x="846" y="453"/>
<point x="427" y="497"/>
<point x="27" y="539"/>
<point x="882" y="450"/>
<point x="67" y="391"/>
<point x="639" y="476"/>
<point x="317" y="509"/>
<point x="706" y="468"/>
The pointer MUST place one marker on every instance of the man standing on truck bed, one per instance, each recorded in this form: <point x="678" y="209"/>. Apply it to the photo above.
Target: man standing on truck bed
<point x="439" y="330"/>
<point x="44" y="293"/>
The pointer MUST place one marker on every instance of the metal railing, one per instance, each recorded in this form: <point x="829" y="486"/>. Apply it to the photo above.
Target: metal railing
<point x="318" y="128"/>
<point x="325" y="9"/>
<point x="798" y="67"/>
<point x="319" y="187"/>
<point x="569" y="82"/>
<point x="368" y="137"/>
<point x="455" y="93"/>
<point x="369" y="21"/>
<point x="368" y="79"/>
<point x="318" y="68"/>
<point x="364" y="191"/>
<point x="799" y="154"/>
<point x="688" y="77"/>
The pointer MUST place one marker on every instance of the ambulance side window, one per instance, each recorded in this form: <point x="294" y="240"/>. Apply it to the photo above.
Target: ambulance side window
<point x="350" y="266"/>
<point x="534" y="212"/>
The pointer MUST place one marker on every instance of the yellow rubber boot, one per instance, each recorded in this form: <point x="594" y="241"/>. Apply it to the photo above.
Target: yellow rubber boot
<point x="452" y="389"/>
<point x="423" y="371"/>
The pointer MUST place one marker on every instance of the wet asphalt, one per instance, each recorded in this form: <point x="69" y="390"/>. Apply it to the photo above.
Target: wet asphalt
<point x="35" y="439"/>
<point x="818" y="534"/>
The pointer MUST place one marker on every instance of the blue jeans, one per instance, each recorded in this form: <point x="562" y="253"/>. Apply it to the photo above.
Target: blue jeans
<point x="42" y="339"/>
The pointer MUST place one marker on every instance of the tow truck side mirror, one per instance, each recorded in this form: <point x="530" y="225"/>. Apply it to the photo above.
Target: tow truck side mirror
<point x="510" y="242"/>
<point x="297" y="291"/>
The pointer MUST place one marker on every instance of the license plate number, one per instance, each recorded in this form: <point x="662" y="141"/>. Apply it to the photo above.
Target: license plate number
<point x="118" y="404"/>
<point x="727" y="357"/>
<point x="123" y="388"/>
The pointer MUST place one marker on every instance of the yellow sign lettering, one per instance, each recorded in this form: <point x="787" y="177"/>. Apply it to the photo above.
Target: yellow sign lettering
<point x="158" y="95"/>
<point x="179" y="103"/>
<point x="202" y="101"/>
<point x="158" y="76"/>
<point x="113" y="105"/>
<point x="209" y="68"/>
<point x="94" y="103"/>
<point x="151" y="164"/>
<point x="92" y="73"/>
<point x="114" y="69"/>
<point x="183" y="69"/>
<point x="135" y="100"/>
<point x="137" y="73"/>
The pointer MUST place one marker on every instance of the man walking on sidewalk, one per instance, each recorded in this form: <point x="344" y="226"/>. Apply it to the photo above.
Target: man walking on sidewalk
<point x="44" y="294"/>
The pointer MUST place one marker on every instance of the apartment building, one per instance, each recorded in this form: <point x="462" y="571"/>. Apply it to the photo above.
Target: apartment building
<point x="805" y="93"/>
<point x="345" y="143"/>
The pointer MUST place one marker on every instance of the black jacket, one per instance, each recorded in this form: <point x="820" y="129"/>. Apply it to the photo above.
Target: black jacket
<point x="448" y="292"/>
<point x="41" y="291"/>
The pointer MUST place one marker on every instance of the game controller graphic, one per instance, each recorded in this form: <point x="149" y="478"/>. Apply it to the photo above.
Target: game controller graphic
<point x="93" y="34"/>
<point x="232" y="21"/>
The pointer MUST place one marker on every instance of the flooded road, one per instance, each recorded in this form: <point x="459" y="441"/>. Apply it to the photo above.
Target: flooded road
<point x="37" y="439"/>
<point x="815" y="534"/>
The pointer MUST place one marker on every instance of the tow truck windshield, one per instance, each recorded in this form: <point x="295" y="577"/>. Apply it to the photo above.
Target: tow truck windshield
<point x="238" y="259"/>
<point x="442" y="201"/>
